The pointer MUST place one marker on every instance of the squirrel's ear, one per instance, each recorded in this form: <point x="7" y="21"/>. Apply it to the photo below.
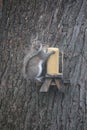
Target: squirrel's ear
<point x="46" y="46"/>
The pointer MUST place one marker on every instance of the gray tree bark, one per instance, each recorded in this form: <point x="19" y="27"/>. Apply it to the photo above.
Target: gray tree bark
<point x="62" y="24"/>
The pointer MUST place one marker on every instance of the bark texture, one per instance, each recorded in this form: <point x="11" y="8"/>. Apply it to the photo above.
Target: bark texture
<point x="60" y="23"/>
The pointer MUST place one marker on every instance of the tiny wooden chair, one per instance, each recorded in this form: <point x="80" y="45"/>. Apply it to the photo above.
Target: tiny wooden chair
<point x="54" y="70"/>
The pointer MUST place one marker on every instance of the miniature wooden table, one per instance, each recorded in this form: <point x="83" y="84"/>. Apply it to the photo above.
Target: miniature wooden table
<point x="51" y="80"/>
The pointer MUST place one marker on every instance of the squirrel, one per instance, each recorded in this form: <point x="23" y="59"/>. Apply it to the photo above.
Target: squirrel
<point x="35" y="66"/>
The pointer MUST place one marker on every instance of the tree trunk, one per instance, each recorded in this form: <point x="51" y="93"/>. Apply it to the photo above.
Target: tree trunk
<point x="62" y="24"/>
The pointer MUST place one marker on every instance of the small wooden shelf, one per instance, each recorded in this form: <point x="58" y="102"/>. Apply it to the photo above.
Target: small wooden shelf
<point x="53" y="76"/>
<point x="48" y="82"/>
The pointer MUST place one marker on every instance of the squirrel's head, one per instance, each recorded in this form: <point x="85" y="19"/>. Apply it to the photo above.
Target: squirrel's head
<point x="45" y="47"/>
<point x="36" y="45"/>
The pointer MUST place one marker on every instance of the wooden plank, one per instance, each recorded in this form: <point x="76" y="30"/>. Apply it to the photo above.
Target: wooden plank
<point x="58" y="83"/>
<point x="46" y="85"/>
<point x="53" y="62"/>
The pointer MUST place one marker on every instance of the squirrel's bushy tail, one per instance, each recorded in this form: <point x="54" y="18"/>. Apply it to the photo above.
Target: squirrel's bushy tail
<point x="26" y="59"/>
